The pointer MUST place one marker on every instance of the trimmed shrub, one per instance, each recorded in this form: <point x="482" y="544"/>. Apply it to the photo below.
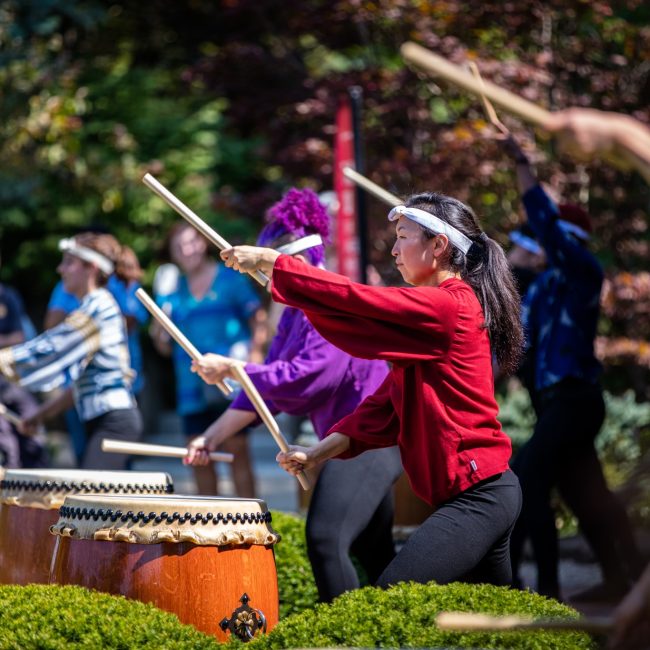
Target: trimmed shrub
<point x="53" y="617"/>
<point x="403" y="616"/>
<point x="295" y="578"/>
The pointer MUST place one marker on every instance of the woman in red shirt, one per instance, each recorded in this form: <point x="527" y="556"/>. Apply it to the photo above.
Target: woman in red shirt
<point x="437" y="404"/>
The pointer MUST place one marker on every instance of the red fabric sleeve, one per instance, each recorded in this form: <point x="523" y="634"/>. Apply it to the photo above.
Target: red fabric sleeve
<point x="395" y="324"/>
<point x="373" y="424"/>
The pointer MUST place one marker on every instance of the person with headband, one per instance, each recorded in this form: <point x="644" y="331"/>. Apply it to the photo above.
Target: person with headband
<point x="351" y="510"/>
<point x="560" y="315"/>
<point x="437" y="403"/>
<point x="61" y="303"/>
<point x="90" y="348"/>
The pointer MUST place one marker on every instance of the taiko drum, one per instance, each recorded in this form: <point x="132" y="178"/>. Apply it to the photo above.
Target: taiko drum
<point x="29" y="503"/>
<point x="208" y="560"/>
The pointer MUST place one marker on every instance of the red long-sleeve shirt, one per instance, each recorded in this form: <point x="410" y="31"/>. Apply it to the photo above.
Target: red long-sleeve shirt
<point x="438" y="402"/>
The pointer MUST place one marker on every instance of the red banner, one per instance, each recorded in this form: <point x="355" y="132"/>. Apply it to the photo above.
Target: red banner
<point x="347" y="240"/>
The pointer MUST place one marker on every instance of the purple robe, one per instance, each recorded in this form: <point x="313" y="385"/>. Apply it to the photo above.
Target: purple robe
<point x="305" y="375"/>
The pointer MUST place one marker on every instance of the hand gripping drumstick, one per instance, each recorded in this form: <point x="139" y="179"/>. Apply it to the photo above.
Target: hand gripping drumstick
<point x="264" y="413"/>
<point x="144" y="449"/>
<point x="10" y="416"/>
<point x="194" y="219"/>
<point x="242" y="377"/>
<point x="437" y="65"/>
<point x="372" y="188"/>
<point x="174" y="332"/>
<point x="463" y="621"/>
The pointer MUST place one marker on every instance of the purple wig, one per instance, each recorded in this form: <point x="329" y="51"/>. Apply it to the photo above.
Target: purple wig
<point x="299" y="213"/>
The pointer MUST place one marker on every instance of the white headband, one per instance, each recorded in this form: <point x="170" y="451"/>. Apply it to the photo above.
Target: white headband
<point x="434" y="224"/>
<point x="300" y="245"/>
<point x="87" y="254"/>
<point x="569" y="227"/>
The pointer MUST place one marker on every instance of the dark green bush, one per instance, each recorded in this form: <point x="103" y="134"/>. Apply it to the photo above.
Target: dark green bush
<point x="403" y="616"/>
<point x="295" y="578"/>
<point x="50" y="617"/>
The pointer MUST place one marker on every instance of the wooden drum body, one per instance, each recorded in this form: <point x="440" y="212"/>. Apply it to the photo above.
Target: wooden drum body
<point x="210" y="561"/>
<point x="29" y="503"/>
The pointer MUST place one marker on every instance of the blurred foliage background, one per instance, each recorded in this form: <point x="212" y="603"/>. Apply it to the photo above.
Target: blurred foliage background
<point x="229" y="102"/>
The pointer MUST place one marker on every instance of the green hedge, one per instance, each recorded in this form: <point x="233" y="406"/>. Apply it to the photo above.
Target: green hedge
<point x="295" y="579"/>
<point x="52" y="617"/>
<point x="403" y="616"/>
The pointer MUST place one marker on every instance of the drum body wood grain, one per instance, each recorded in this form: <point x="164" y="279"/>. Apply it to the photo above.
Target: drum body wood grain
<point x="29" y="503"/>
<point x="26" y="544"/>
<point x="199" y="564"/>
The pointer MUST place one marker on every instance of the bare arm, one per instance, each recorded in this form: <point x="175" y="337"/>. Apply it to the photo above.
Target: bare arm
<point x="298" y="459"/>
<point x="588" y="134"/>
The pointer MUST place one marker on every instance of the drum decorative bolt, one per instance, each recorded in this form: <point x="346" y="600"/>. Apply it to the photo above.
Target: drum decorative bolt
<point x="245" y="621"/>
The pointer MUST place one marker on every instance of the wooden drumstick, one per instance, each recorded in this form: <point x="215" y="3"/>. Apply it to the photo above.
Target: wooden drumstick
<point x="438" y="65"/>
<point x="10" y="416"/>
<point x="372" y="188"/>
<point x="174" y="332"/>
<point x="487" y="104"/>
<point x="264" y="413"/>
<point x="465" y="621"/>
<point x="194" y="219"/>
<point x="167" y="451"/>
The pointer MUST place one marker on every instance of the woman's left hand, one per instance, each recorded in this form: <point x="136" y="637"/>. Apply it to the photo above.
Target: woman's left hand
<point x="246" y="259"/>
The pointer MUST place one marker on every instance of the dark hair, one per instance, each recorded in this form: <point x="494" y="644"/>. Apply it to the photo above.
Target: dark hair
<point x="486" y="270"/>
<point x="124" y="259"/>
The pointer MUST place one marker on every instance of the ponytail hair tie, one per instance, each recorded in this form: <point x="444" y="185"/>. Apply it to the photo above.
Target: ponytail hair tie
<point x="478" y="251"/>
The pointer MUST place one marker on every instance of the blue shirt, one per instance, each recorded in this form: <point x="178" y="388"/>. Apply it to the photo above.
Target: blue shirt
<point x="561" y="308"/>
<point x="129" y="305"/>
<point x="213" y="324"/>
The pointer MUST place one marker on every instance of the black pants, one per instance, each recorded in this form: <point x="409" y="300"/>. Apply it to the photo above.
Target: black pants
<point x="466" y="538"/>
<point x="124" y="425"/>
<point x="351" y="512"/>
<point x="561" y="453"/>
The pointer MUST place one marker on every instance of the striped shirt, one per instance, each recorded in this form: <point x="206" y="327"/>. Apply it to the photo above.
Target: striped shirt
<point x="88" y="348"/>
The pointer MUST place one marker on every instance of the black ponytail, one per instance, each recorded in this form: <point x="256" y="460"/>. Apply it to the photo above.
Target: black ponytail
<point x="485" y="268"/>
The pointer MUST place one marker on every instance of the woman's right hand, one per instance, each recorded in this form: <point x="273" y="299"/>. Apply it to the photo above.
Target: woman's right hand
<point x="296" y="459"/>
<point x="198" y="451"/>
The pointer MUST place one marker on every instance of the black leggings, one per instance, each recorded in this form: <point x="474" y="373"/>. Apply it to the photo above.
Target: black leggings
<point x="561" y="453"/>
<point x="351" y="512"/>
<point x="466" y="538"/>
